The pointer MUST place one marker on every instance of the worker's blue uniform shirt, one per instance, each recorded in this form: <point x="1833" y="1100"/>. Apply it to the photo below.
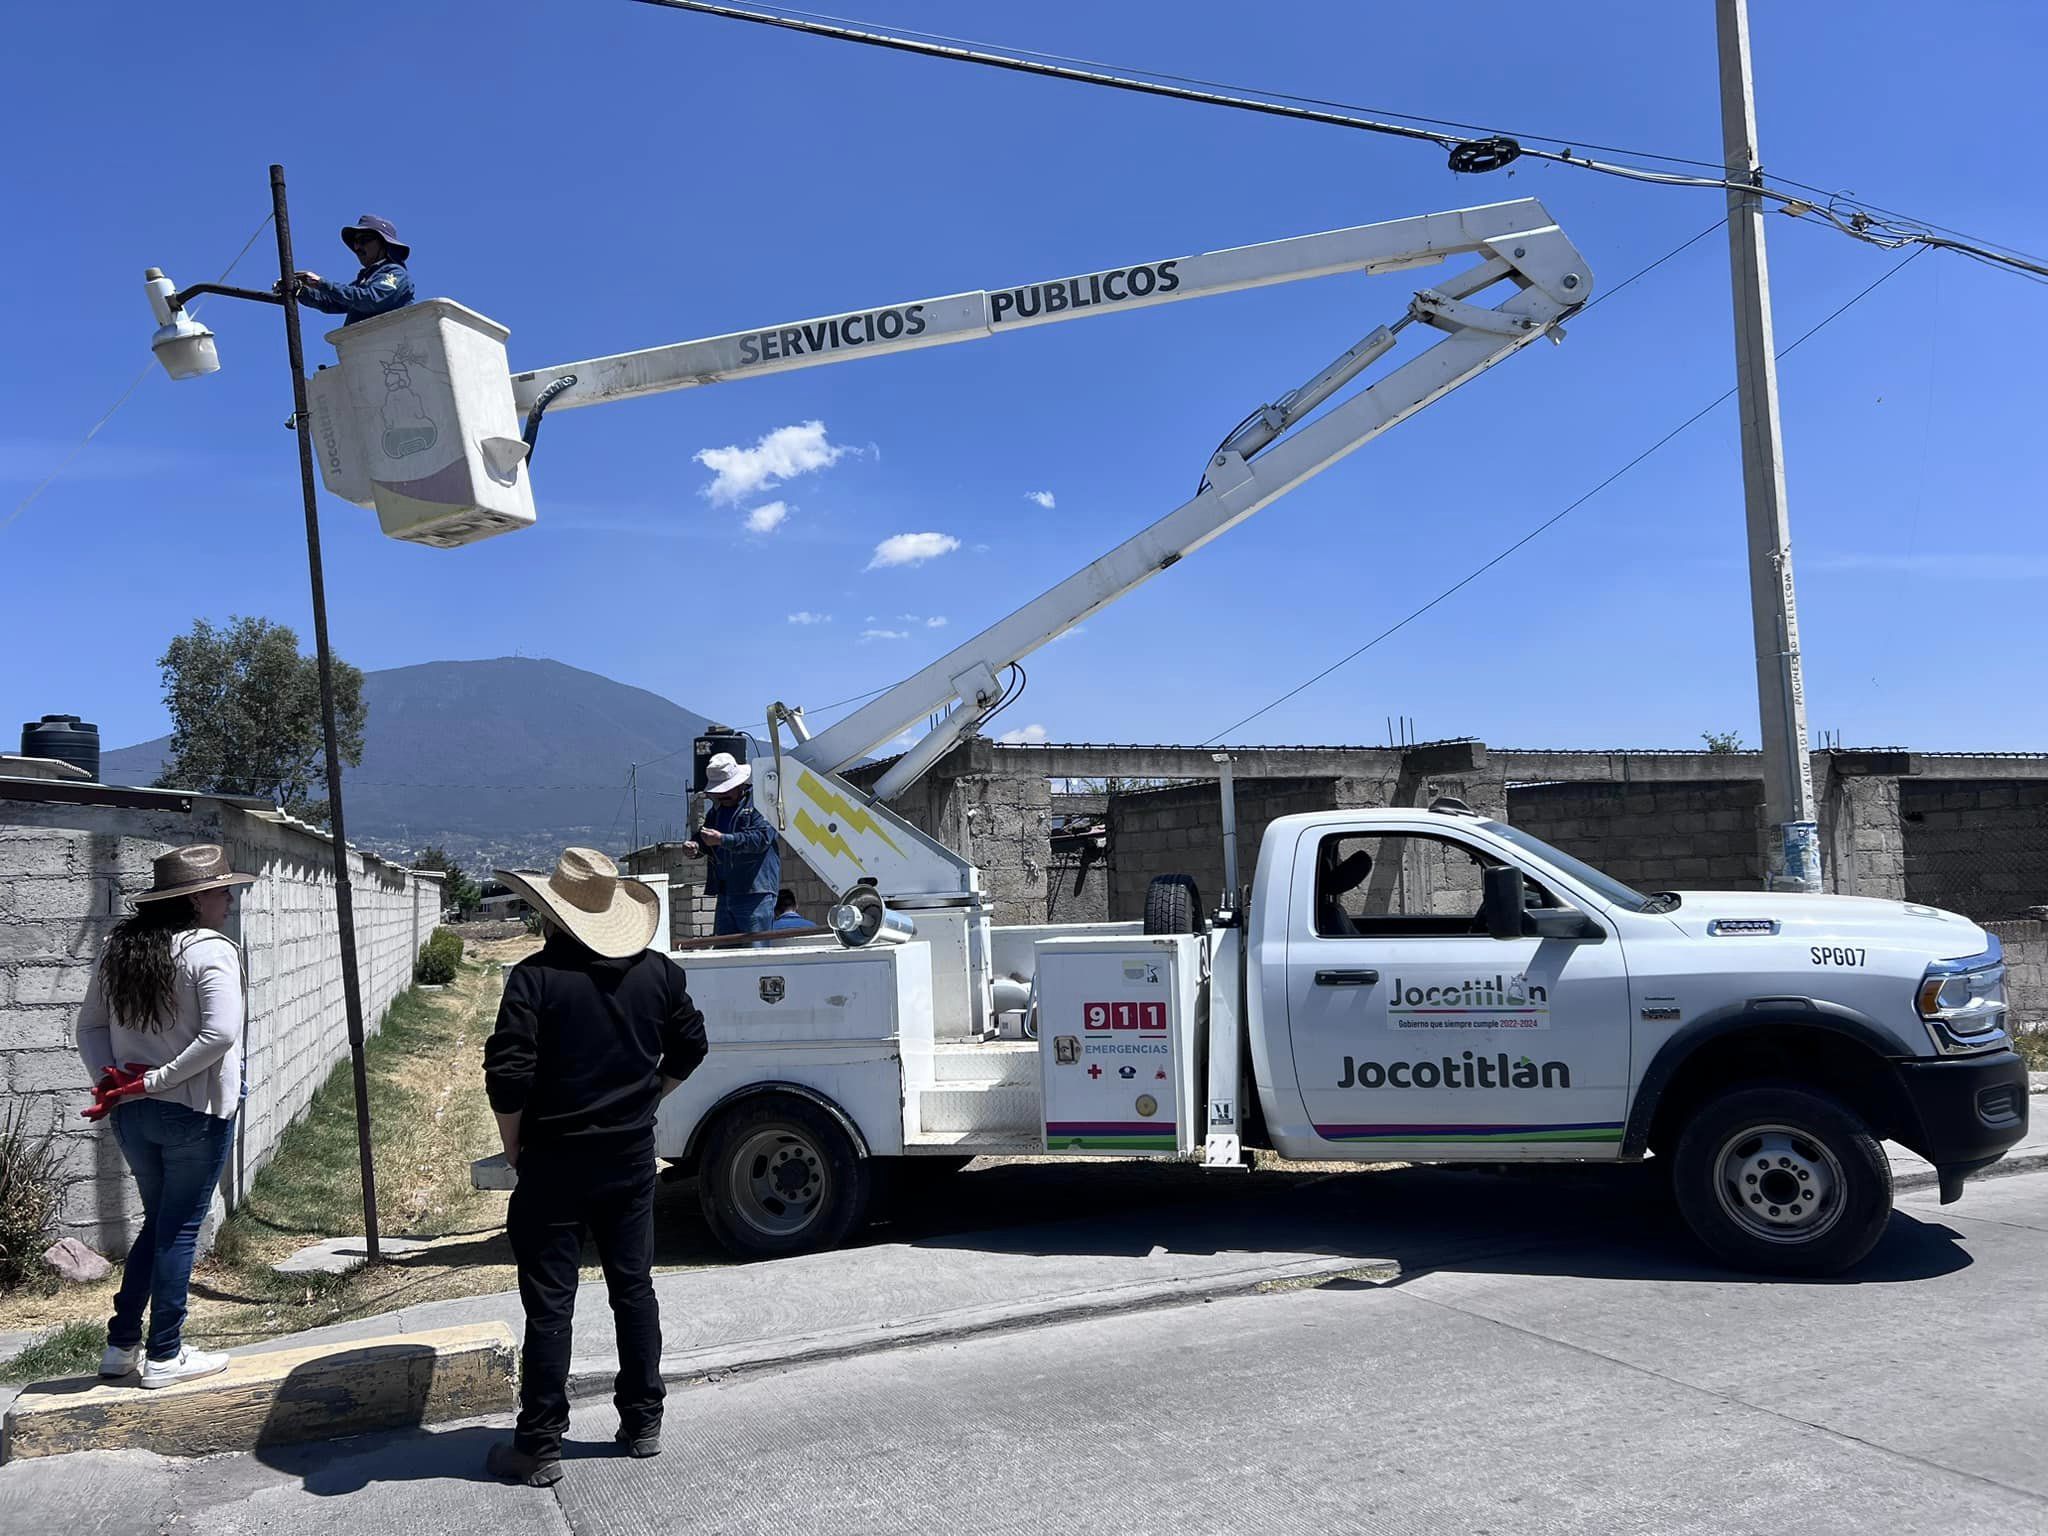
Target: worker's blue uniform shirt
<point x="376" y="291"/>
<point x="791" y="920"/>
<point x="745" y="869"/>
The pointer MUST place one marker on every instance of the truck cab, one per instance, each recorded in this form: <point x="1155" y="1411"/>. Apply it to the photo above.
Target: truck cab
<point x="1434" y="985"/>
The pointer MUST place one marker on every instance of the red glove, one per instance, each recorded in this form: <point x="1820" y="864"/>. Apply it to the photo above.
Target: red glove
<point x="115" y="1084"/>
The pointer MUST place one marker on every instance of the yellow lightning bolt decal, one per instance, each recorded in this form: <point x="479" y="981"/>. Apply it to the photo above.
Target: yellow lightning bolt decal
<point x="852" y="815"/>
<point x="831" y="842"/>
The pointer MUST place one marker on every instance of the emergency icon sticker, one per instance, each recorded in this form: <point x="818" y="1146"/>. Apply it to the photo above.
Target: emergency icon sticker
<point x="1147" y="1105"/>
<point x="1144" y="973"/>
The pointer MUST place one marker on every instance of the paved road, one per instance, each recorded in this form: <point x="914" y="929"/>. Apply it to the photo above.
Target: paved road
<point x="1548" y="1362"/>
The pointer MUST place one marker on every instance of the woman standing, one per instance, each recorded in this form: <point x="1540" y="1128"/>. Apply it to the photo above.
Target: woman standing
<point x="161" y="1035"/>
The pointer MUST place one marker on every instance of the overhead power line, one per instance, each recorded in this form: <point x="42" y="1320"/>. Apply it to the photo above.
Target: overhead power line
<point x="1468" y="154"/>
<point x="1557" y="517"/>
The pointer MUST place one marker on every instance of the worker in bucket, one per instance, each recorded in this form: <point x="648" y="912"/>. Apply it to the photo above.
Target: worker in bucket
<point x="381" y="286"/>
<point x="743" y="850"/>
<point x="593" y="1032"/>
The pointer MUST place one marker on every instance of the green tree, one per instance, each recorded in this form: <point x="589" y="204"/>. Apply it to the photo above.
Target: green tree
<point x="458" y="892"/>
<point x="245" y="715"/>
<point x="1722" y="741"/>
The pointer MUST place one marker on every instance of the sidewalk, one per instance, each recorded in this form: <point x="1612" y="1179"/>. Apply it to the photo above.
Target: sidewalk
<point x="884" y="1295"/>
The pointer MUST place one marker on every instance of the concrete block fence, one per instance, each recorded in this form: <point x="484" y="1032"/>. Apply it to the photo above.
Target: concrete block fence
<point x="66" y="873"/>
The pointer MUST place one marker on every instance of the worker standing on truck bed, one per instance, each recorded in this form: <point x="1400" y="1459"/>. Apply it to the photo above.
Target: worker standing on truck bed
<point x="381" y="286"/>
<point x="741" y="845"/>
<point x="593" y="1032"/>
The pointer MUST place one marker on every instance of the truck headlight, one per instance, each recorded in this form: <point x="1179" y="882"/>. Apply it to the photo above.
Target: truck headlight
<point x="1963" y="1001"/>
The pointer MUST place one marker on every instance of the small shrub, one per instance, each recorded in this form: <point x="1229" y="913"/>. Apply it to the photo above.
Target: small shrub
<point x="434" y="968"/>
<point x="31" y="1193"/>
<point x="440" y="960"/>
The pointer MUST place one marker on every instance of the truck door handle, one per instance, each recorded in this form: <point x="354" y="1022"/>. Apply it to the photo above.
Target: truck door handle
<point x="1347" y="978"/>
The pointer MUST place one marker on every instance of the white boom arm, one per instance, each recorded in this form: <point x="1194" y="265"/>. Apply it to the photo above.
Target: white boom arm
<point x="847" y="836"/>
<point x="1520" y="247"/>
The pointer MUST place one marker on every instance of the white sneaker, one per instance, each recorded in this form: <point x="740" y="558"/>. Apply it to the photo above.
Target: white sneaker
<point x="189" y="1366"/>
<point x="121" y="1362"/>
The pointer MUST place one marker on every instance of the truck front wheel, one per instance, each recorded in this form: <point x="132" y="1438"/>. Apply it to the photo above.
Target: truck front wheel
<point x="781" y="1176"/>
<point x="1783" y="1180"/>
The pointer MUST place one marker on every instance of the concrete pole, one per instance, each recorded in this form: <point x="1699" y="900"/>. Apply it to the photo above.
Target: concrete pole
<point x="1792" y="845"/>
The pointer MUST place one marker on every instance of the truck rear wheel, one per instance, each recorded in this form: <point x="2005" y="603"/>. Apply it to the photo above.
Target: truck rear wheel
<point x="1783" y="1180"/>
<point x="1173" y="905"/>
<point x="781" y="1176"/>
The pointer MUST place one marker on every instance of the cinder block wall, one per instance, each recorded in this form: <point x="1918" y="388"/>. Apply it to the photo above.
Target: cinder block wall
<point x="1696" y="836"/>
<point x="2026" y="967"/>
<point x="1179" y="831"/>
<point x="66" y="872"/>
<point x="1975" y="846"/>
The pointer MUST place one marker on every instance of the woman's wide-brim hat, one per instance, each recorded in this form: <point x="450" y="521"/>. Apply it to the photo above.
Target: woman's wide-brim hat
<point x="189" y="870"/>
<point x="607" y="913"/>
<point x="722" y="773"/>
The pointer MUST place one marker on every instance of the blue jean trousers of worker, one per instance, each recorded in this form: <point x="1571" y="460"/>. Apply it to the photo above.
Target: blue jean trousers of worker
<point x="744" y="914"/>
<point x="176" y="1155"/>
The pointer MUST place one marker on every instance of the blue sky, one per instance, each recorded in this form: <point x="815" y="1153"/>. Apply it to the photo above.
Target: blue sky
<point x="603" y="176"/>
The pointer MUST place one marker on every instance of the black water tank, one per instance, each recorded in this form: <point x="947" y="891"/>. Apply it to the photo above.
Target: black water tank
<point x="66" y="738"/>
<point x="716" y="739"/>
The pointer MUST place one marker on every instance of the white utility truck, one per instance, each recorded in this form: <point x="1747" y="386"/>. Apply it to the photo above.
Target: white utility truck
<point x="1413" y="984"/>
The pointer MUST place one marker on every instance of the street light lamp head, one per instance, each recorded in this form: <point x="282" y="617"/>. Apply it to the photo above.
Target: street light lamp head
<point x="185" y="347"/>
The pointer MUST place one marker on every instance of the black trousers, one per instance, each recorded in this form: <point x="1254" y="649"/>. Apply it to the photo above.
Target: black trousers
<point x="559" y="1196"/>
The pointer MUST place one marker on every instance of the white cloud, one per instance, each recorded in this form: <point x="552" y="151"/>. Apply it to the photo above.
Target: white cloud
<point x="775" y="457"/>
<point x="1033" y="735"/>
<point x="808" y="617"/>
<point x="768" y="517"/>
<point x="936" y="621"/>
<point x="1043" y="498"/>
<point x="912" y="549"/>
<point x="885" y="634"/>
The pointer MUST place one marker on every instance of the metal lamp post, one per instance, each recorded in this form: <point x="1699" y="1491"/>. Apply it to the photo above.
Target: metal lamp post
<point x="187" y="350"/>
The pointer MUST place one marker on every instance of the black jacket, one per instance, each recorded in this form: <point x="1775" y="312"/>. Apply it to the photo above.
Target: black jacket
<point x="582" y="1044"/>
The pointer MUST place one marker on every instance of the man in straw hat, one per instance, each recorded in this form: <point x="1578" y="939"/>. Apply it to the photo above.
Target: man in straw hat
<point x="741" y="844"/>
<point x="593" y="1032"/>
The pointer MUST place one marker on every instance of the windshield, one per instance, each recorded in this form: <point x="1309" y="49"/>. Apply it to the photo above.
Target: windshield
<point x="1606" y="886"/>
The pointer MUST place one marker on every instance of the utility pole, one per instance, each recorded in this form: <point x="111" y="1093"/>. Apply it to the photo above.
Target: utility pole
<point x="344" y="898"/>
<point x="1792" y="847"/>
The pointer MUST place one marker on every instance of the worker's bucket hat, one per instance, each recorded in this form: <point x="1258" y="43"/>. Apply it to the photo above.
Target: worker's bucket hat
<point x="607" y="913"/>
<point x="384" y="229"/>
<point x="189" y="870"/>
<point x="722" y="773"/>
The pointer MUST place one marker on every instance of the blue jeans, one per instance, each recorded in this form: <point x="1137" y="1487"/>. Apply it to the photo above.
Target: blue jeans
<point x="744" y="914"/>
<point x="176" y="1155"/>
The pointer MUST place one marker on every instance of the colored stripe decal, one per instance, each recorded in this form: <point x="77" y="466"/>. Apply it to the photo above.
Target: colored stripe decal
<point x="1112" y="1143"/>
<point x="1109" y="1128"/>
<point x="1591" y="1130"/>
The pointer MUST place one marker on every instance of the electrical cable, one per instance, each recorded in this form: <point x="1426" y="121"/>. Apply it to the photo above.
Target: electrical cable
<point x="191" y="309"/>
<point x="1859" y="221"/>
<point x="1557" y="517"/>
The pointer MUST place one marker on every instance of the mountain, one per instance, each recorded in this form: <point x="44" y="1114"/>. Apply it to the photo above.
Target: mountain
<point x="500" y="762"/>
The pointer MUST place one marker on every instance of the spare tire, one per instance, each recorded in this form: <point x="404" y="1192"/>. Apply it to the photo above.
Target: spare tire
<point x="1173" y="905"/>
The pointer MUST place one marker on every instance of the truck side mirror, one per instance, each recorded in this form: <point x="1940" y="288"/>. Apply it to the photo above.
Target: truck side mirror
<point x="1502" y="903"/>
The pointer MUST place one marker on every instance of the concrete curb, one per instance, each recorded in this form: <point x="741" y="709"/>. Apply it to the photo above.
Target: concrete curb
<point x="1926" y="1178"/>
<point x="595" y="1378"/>
<point x="277" y="1397"/>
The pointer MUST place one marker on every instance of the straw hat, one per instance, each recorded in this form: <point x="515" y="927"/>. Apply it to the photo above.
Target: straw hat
<point x="189" y="870"/>
<point x="722" y="773"/>
<point x="607" y="914"/>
